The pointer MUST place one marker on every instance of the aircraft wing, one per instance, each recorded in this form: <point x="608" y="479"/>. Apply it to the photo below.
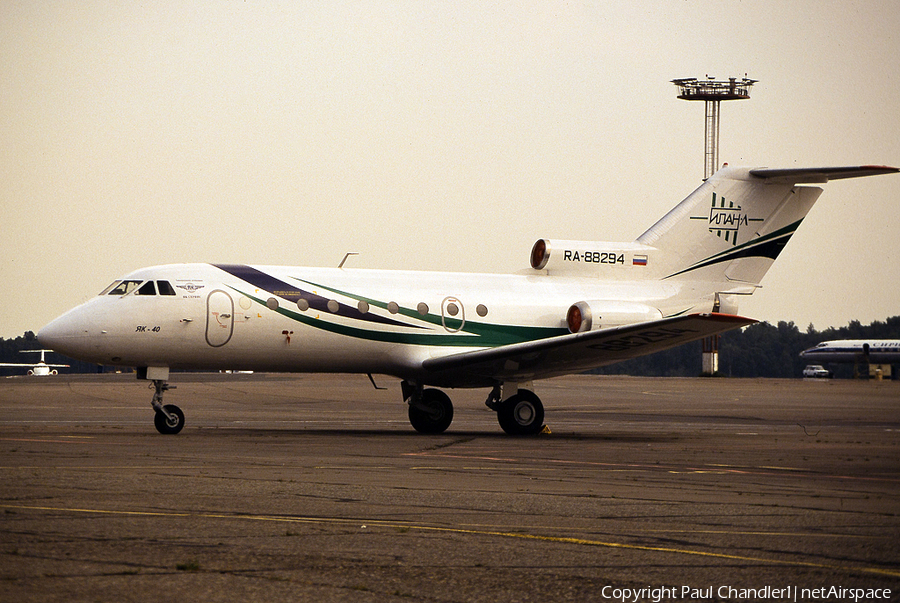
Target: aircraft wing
<point x="576" y="352"/>
<point x="820" y="175"/>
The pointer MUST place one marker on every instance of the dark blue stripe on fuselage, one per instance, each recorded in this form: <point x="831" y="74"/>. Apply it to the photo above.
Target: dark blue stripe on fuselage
<point x="278" y="287"/>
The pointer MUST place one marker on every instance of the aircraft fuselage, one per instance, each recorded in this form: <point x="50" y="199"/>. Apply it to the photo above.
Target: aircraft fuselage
<point x="874" y="351"/>
<point x="287" y="318"/>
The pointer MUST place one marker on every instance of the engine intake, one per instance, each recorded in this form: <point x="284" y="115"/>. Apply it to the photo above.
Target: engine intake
<point x="599" y="314"/>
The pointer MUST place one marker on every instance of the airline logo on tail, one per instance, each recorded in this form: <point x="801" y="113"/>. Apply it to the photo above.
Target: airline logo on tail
<point x="726" y="219"/>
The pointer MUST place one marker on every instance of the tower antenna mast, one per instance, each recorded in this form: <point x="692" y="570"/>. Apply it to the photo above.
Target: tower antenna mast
<point x="712" y="92"/>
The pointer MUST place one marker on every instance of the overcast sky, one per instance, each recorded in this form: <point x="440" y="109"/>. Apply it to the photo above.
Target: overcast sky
<point x="433" y="136"/>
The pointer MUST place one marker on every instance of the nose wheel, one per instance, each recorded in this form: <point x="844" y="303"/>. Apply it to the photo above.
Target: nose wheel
<point x="168" y="419"/>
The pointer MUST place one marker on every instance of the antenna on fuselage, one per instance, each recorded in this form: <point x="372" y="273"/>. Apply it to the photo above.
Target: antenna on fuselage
<point x="347" y="255"/>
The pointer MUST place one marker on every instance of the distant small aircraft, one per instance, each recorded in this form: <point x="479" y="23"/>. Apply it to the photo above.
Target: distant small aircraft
<point x="40" y="369"/>
<point x="583" y="304"/>
<point x="872" y="351"/>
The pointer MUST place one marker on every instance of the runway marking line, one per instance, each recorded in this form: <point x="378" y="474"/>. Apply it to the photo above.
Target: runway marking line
<point x="94" y="467"/>
<point x="522" y="536"/>
<point x="721" y="469"/>
<point x="759" y="533"/>
<point x="44" y="441"/>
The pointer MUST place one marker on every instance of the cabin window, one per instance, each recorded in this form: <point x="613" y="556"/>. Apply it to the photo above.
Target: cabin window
<point x="124" y="287"/>
<point x="165" y="288"/>
<point x="148" y="289"/>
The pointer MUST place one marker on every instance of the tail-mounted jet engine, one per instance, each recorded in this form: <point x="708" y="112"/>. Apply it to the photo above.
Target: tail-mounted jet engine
<point x="589" y="258"/>
<point x="596" y="314"/>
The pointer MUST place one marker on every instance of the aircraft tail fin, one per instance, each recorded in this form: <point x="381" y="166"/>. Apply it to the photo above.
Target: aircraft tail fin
<point x="733" y="227"/>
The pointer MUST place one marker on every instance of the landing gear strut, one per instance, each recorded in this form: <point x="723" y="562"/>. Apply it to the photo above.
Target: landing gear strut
<point x="168" y="419"/>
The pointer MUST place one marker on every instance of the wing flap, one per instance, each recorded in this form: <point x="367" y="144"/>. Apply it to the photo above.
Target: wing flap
<point x="819" y="175"/>
<point x="577" y="352"/>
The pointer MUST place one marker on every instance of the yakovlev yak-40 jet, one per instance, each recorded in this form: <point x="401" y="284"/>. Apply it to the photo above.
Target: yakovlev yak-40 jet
<point x="582" y="305"/>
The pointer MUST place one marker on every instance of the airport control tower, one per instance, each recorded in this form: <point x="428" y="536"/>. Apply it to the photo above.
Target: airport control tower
<point x="712" y="92"/>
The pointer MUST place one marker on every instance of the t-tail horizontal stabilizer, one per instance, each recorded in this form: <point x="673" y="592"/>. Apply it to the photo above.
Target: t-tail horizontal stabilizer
<point x="732" y="228"/>
<point x="820" y="175"/>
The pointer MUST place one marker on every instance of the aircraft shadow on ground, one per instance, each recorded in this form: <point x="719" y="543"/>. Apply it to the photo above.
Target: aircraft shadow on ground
<point x="437" y="439"/>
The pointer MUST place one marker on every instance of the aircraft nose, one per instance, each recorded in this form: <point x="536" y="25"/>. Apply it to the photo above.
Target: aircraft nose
<point x="66" y="334"/>
<point x="54" y="334"/>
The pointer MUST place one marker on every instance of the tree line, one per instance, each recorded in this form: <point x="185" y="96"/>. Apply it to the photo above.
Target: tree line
<point x="760" y="350"/>
<point x="10" y="352"/>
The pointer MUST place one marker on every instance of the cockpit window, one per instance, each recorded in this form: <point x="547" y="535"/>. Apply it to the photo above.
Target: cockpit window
<point x="141" y="287"/>
<point x="165" y="288"/>
<point x="124" y="287"/>
<point x="147" y="289"/>
<point x="108" y="289"/>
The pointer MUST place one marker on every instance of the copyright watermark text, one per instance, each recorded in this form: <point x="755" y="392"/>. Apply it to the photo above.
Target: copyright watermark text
<point x="765" y="593"/>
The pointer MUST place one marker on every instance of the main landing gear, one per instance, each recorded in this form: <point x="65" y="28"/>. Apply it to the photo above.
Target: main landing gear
<point x="521" y="414"/>
<point x="431" y="411"/>
<point x="168" y="419"/>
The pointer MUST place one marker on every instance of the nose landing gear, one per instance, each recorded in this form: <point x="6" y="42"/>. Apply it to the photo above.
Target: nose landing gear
<point x="168" y="419"/>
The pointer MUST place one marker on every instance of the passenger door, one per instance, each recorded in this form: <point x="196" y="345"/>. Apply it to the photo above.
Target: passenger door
<point x="219" y="318"/>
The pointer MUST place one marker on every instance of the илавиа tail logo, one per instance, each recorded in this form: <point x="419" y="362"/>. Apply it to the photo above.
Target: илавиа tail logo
<point x="726" y="219"/>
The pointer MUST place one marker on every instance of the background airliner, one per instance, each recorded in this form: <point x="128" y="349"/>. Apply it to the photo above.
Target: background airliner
<point x="39" y="369"/>
<point x="873" y="351"/>
<point x="583" y="304"/>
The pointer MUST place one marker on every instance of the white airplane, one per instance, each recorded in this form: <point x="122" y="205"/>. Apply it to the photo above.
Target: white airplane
<point x="873" y="351"/>
<point x="40" y="369"/>
<point x="582" y="305"/>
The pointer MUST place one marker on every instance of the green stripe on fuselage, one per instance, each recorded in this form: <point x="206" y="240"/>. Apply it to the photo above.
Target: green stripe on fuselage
<point x="473" y="335"/>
